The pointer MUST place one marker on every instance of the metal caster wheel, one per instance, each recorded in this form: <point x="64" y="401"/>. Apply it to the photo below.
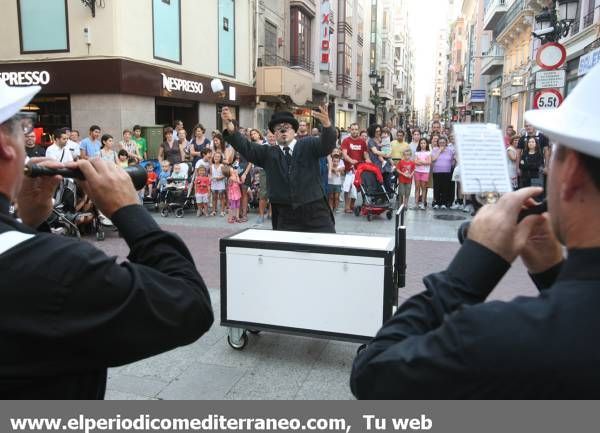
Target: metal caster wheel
<point x="369" y="217"/>
<point x="237" y="338"/>
<point x="389" y="214"/>
<point x="100" y="236"/>
<point x="179" y="213"/>
<point x="164" y="212"/>
<point x="356" y="210"/>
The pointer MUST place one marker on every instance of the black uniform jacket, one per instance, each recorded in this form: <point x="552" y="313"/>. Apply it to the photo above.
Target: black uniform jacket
<point x="303" y="185"/>
<point x="446" y="343"/>
<point x="68" y="311"/>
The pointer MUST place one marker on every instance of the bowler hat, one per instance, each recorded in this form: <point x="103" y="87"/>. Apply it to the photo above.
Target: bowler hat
<point x="283" y="117"/>
<point x="12" y="99"/>
<point x="575" y="123"/>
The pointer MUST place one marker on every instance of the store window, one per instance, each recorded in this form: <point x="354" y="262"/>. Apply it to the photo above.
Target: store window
<point x="226" y="26"/>
<point x="166" y="28"/>
<point x="53" y="112"/>
<point x="43" y="26"/>
<point x="300" y="45"/>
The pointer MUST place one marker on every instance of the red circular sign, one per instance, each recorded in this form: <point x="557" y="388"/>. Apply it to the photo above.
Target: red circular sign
<point x="547" y="99"/>
<point x="551" y="55"/>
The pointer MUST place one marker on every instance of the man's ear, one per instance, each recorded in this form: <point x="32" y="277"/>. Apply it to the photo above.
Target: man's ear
<point x="7" y="150"/>
<point x="573" y="176"/>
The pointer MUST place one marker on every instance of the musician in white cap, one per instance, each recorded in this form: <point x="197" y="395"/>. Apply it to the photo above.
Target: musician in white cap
<point x="67" y="310"/>
<point x="447" y="343"/>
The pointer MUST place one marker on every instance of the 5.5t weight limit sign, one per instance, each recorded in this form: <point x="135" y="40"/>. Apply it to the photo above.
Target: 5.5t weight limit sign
<point x="547" y="99"/>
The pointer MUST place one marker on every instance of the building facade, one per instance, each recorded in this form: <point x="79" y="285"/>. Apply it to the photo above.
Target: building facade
<point x="108" y="69"/>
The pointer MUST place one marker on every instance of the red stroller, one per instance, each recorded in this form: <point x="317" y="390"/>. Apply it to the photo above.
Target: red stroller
<point x="375" y="200"/>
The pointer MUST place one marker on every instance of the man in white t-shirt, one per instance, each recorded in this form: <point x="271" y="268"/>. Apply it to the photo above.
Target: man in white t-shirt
<point x="59" y="151"/>
<point x="73" y="145"/>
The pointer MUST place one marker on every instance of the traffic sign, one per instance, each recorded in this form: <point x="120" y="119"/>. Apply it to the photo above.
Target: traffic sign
<point x="547" y="98"/>
<point x="551" y="55"/>
<point x="550" y="79"/>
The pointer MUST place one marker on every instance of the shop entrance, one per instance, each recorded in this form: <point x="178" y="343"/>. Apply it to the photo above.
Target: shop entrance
<point x="53" y="112"/>
<point x="169" y="110"/>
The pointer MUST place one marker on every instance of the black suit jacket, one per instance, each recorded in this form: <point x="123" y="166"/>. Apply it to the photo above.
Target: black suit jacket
<point x="303" y="185"/>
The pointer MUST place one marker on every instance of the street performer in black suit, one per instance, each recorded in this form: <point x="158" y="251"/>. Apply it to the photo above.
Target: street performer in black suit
<point x="294" y="181"/>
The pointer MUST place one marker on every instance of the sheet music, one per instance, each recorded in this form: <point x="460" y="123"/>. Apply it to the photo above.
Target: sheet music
<point x="482" y="158"/>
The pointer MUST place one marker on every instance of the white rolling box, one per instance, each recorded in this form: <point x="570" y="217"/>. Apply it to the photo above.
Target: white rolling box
<point x="322" y="285"/>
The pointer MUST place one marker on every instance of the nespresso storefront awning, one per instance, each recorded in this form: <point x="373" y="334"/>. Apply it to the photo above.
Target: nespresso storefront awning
<point x="120" y="76"/>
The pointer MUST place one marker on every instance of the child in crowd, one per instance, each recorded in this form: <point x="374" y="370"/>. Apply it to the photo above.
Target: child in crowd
<point x="202" y="187"/>
<point x="165" y="174"/>
<point x="422" y="173"/>
<point x="123" y="157"/>
<point x="336" y="174"/>
<point x="178" y="174"/>
<point x="217" y="183"/>
<point x="406" y="168"/>
<point x="205" y="159"/>
<point x="233" y="192"/>
<point x="151" y="181"/>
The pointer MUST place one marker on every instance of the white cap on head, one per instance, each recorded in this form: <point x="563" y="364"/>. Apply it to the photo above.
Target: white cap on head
<point x="574" y="123"/>
<point x="12" y="99"/>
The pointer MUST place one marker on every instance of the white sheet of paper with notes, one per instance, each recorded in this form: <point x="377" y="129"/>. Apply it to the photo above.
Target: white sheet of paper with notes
<point x="482" y="158"/>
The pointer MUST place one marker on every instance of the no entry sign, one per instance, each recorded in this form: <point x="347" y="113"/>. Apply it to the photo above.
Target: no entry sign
<point x="551" y="55"/>
<point x="547" y="98"/>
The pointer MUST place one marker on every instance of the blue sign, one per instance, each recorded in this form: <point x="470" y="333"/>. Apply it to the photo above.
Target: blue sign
<point x="477" y="95"/>
<point x="588" y="61"/>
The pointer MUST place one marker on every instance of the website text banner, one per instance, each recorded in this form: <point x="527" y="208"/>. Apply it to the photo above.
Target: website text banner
<point x="298" y="416"/>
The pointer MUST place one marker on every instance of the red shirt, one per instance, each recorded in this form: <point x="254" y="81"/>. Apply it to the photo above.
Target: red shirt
<point x="356" y="148"/>
<point x="152" y="177"/>
<point x="202" y="184"/>
<point x="405" y="167"/>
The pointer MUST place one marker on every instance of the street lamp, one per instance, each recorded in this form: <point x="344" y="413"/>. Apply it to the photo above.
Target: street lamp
<point x="376" y="83"/>
<point x="551" y="28"/>
<point x="454" y="93"/>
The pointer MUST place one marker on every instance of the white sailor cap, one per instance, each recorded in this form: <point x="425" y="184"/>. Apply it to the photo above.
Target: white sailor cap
<point x="12" y="99"/>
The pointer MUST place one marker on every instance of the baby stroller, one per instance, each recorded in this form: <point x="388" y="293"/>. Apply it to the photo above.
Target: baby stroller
<point x="375" y="200"/>
<point x="102" y="224"/>
<point x="175" y="197"/>
<point x="151" y="202"/>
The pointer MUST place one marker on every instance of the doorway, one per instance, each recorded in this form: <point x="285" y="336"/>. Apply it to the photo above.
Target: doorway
<point x="169" y="110"/>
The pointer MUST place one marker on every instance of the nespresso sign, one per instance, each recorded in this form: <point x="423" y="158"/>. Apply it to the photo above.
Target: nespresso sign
<point x="25" y="78"/>
<point x="119" y="76"/>
<point x="177" y="84"/>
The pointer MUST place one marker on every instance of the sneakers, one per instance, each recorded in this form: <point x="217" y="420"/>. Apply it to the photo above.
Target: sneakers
<point x="456" y="206"/>
<point x="435" y="206"/>
<point x="421" y="206"/>
<point x="443" y="207"/>
<point x="260" y="220"/>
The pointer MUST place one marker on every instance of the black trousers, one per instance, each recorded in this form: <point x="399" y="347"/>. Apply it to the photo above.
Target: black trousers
<point x="442" y="184"/>
<point x="315" y="217"/>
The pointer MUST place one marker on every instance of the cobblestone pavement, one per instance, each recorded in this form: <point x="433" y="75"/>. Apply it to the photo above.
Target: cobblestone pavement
<point x="275" y="366"/>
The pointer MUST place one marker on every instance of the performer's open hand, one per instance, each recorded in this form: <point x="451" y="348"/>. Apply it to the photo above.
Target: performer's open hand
<point x="322" y="115"/>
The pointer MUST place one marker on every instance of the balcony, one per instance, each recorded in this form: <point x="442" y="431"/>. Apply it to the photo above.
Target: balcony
<point x="303" y="63"/>
<point x="493" y="61"/>
<point x="275" y="78"/>
<point x="588" y="20"/>
<point x="272" y="60"/>
<point x="510" y="17"/>
<point x="494" y="11"/>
